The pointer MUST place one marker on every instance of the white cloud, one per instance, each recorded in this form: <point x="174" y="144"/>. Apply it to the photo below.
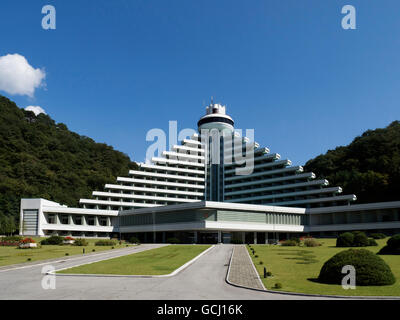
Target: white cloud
<point x="18" y="77"/>
<point x="35" y="109"/>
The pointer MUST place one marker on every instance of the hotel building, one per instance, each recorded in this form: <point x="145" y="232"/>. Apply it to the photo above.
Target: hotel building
<point x="214" y="187"/>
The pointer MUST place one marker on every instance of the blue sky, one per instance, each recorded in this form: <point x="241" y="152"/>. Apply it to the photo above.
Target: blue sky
<point x="116" y="69"/>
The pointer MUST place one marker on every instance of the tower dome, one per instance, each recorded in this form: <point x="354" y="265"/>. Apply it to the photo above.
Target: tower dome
<point x="216" y="118"/>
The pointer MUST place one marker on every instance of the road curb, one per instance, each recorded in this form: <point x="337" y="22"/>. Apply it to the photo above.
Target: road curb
<point x="302" y="294"/>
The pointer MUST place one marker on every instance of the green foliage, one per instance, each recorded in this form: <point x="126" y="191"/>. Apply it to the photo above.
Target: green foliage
<point x="105" y="243"/>
<point x="377" y="235"/>
<point x="81" y="242"/>
<point x="278" y="285"/>
<point x="11" y="238"/>
<point x="371" y="270"/>
<point x="289" y="243"/>
<point x="53" y="240"/>
<point x="368" y="167"/>
<point x="311" y="242"/>
<point x="354" y="239"/>
<point x="392" y="246"/>
<point x="8" y="224"/>
<point x="134" y="240"/>
<point x="345" y="240"/>
<point x="372" y="242"/>
<point x="173" y="240"/>
<point x="360" y="239"/>
<point x="43" y="159"/>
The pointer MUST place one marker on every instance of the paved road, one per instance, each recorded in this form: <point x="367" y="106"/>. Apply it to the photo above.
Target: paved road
<point x="204" y="279"/>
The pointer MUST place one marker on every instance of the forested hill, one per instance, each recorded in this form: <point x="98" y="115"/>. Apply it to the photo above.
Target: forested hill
<point x="43" y="159"/>
<point x="368" y="167"/>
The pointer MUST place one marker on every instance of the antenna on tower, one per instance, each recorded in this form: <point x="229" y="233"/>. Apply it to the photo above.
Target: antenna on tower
<point x="212" y="100"/>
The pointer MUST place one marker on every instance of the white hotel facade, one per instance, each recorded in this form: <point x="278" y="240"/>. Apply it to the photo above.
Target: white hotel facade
<point x="185" y="193"/>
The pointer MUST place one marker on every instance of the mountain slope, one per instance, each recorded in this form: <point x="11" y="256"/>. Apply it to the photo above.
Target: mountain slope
<point x="41" y="158"/>
<point x="368" y="167"/>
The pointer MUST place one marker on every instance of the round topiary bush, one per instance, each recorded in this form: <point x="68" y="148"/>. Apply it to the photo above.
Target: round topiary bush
<point x="372" y="242"/>
<point x="371" y="270"/>
<point x="378" y="235"/>
<point x="345" y="240"/>
<point x="360" y="239"/>
<point x="392" y="246"/>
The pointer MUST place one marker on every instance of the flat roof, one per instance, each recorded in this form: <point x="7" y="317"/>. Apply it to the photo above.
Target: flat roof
<point x="215" y="205"/>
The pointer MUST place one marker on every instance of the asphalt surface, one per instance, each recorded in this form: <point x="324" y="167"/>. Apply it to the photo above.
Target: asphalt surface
<point x="202" y="280"/>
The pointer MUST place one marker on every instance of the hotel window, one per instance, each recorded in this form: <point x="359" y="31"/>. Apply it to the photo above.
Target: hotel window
<point x="90" y="221"/>
<point x="51" y="218"/>
<point x="64" y="219"/>
<point x="77" y="220"/>
<point x="103" y="221"/>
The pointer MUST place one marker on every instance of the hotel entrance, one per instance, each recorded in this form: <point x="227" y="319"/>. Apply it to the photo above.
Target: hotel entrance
<point x="208" y="237"/>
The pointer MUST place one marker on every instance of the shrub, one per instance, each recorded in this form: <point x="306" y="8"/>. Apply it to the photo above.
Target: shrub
<point x="278" y="285"/>
<point x="29" y="259"/>
<point x="53" y="240"/>
<point x="360" y="239"/>
<point x="345" y="240"/>
<point x="371" y="270"/>
<point x="392" y="246"/>
<point x="269" y="273"/>
<point x="134" y="240"/>
<point x="352" y="239"/>
<point x="311" y="242"/>
<point x="81" y="242"/>
<point x="372" y="243"/>
<point x="173" y="240"/>
<point x="261" y="262"/>
<point x="378" y="236"/>
<point x="105" y="243"/>
<point x="67" y="254"/>
<point x="289" y="243"/>
<point x="256" y="256"/>
<point x="11" y="238"/>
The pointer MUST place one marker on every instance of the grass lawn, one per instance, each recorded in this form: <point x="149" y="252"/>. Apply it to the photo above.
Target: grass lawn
<point x="13" y="255"/>
<point x="296" y="268"/>
<point x="158" y="261"/>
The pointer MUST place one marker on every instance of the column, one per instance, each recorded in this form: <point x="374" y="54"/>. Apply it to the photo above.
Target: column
<point x="287" y="236"/>
<point x="195" y="237"/>
<point x="70" y="220"/>
<point x="219" y="236"/>
<point x="164" y="237"/>
<point x="266" y="237"/>
<point x="154" y="237"/>
<point x="243" y="237"/>
<point x="255" y="237"/>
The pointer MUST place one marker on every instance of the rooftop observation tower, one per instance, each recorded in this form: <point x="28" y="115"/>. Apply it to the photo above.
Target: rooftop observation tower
<point x="216" y="118"/>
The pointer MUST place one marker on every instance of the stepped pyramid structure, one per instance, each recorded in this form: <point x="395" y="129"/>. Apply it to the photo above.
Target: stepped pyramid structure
<point x="216" y="186"/>
<point x="182" y="176"/>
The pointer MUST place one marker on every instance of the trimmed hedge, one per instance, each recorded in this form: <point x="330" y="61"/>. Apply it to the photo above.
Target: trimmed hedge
<point x="173" y="240"/>
<point x="134" y="240"/>
<point x="81" y="242"/>
<point x="392" y="246"/>
<point x="354" y="239"/>
<point x="105" y="243"/>
<point x="378" y="235"/>
<point x="371" y="270"/>
<point x="289" y="243"/>
<point x="345" y="240"/>
<point x="53" y="240"/>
